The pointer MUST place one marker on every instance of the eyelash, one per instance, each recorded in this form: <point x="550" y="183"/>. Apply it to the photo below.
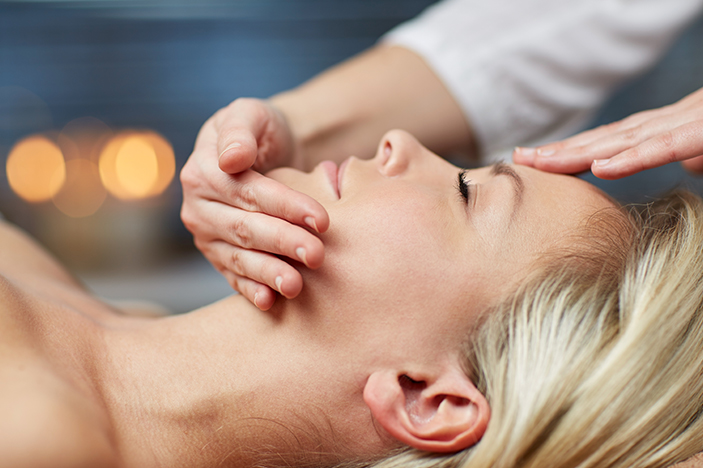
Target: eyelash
<point x="463" y="187"/>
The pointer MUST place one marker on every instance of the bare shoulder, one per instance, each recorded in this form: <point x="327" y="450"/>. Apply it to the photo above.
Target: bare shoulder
<point x="45" y="423"/>
<point x="22" y="259"/>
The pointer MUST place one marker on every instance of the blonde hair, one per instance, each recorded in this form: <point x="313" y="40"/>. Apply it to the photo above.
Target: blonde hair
<point x="597" y="359"/>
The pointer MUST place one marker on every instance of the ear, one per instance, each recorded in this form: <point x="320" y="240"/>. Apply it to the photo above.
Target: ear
<point x="442" y="414"/>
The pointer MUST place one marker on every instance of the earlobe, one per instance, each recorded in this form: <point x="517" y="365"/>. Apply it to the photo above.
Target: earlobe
<point x="443" y="414"/>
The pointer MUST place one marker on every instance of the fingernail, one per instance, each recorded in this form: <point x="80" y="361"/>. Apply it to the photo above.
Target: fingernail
<point x="310" y="221"/>
<point x="256" y="299"/>
<point x="279" y="282"/>
<point x="236" y="144"/>
<point x="300" y="252"/>
<point x="527" y="154"/>
<point x="525" y="151"/>
<point x="601" y="162"/>
<point x="545" y="152"/>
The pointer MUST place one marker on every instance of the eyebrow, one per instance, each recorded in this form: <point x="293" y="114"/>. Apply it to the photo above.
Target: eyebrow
<point x="501" y="168"/>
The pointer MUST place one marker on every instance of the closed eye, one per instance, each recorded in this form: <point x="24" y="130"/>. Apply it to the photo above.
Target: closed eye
<point x="463" y="186"/>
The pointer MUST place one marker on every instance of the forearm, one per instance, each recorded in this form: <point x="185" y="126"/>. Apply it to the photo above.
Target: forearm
<point x="345" y="110"/>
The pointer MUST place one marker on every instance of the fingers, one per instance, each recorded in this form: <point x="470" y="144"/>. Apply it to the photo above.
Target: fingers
<point x="248" y="191"/>
<point x="238" y="128"/>
<point x="564" y="162"/>
<point x="576" y="154"/>
<point x="258" y="231"/>
<point x="243" y="244"/>
<point x="679" y="144"/>
<point x="261" y="296"/>
<point x="242" y="220"/>
<point x="252" y="191"/>
<point x="256" y="275"/>
<point x="246" y="245"/>
<point x="642" y="141"/>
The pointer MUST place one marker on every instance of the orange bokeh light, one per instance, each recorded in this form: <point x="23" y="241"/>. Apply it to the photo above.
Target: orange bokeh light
<point x="36" y="169"/>
<point x="136" y="165"/>
<point x="82" y="193"/>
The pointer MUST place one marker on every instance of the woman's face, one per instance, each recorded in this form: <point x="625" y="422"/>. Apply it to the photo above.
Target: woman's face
<point x="405" y="247"/>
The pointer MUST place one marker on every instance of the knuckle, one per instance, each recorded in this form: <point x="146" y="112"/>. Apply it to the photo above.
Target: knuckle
<point x="279" y="240"/>
<point x="632" y="134"/>
<point x="188" y="218"/>
<point x="669" y="151"/>
<point x="671" y="155"/>
<point x="241" y="233"/>
<point x="667" y="139"/>
<point x="187" y="177"/>
<point x="635" y="154"/>
<point x="247" y="197"/>
<point x="235" y="262"/>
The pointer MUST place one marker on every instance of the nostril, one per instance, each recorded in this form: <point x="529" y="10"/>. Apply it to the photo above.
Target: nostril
<point x="385" y="153"/>
<point x="390" y="157"/>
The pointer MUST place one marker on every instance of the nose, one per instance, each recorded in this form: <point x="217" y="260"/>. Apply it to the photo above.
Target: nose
<point x="397" y="152"/>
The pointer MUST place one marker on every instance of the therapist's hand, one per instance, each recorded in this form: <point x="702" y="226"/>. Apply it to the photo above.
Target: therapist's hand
<point x="241" y="220"/>
<point x="642" y="141"/>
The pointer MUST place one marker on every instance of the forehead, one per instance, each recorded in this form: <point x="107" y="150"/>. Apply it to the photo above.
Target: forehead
<point x="553" y="206"/>
<point x="558" y="193"/>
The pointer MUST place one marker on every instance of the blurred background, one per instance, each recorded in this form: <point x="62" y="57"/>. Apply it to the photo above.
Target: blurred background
<point x="111" y="95"/>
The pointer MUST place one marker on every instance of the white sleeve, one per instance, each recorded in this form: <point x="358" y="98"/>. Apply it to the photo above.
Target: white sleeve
<point x="530" y="71"/>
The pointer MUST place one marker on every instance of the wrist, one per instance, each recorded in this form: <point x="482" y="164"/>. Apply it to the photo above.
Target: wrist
<point x="295" y="157"/>
<point x="317" y="123"/>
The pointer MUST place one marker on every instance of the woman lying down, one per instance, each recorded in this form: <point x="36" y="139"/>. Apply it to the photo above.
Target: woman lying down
<point x="498" y="317"/>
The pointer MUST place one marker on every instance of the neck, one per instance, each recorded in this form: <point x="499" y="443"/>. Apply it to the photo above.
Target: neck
<point x="229" y="385"/>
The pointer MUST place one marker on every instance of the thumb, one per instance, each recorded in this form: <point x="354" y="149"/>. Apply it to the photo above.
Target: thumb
<point x="239" y="127"/>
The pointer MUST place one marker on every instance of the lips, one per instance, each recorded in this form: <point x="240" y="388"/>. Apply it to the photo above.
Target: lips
<point x="335" y="174"/>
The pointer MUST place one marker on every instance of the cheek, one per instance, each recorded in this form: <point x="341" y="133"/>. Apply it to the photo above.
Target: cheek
<point x="396" y="236"/>
<point x="400" y="255"/>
